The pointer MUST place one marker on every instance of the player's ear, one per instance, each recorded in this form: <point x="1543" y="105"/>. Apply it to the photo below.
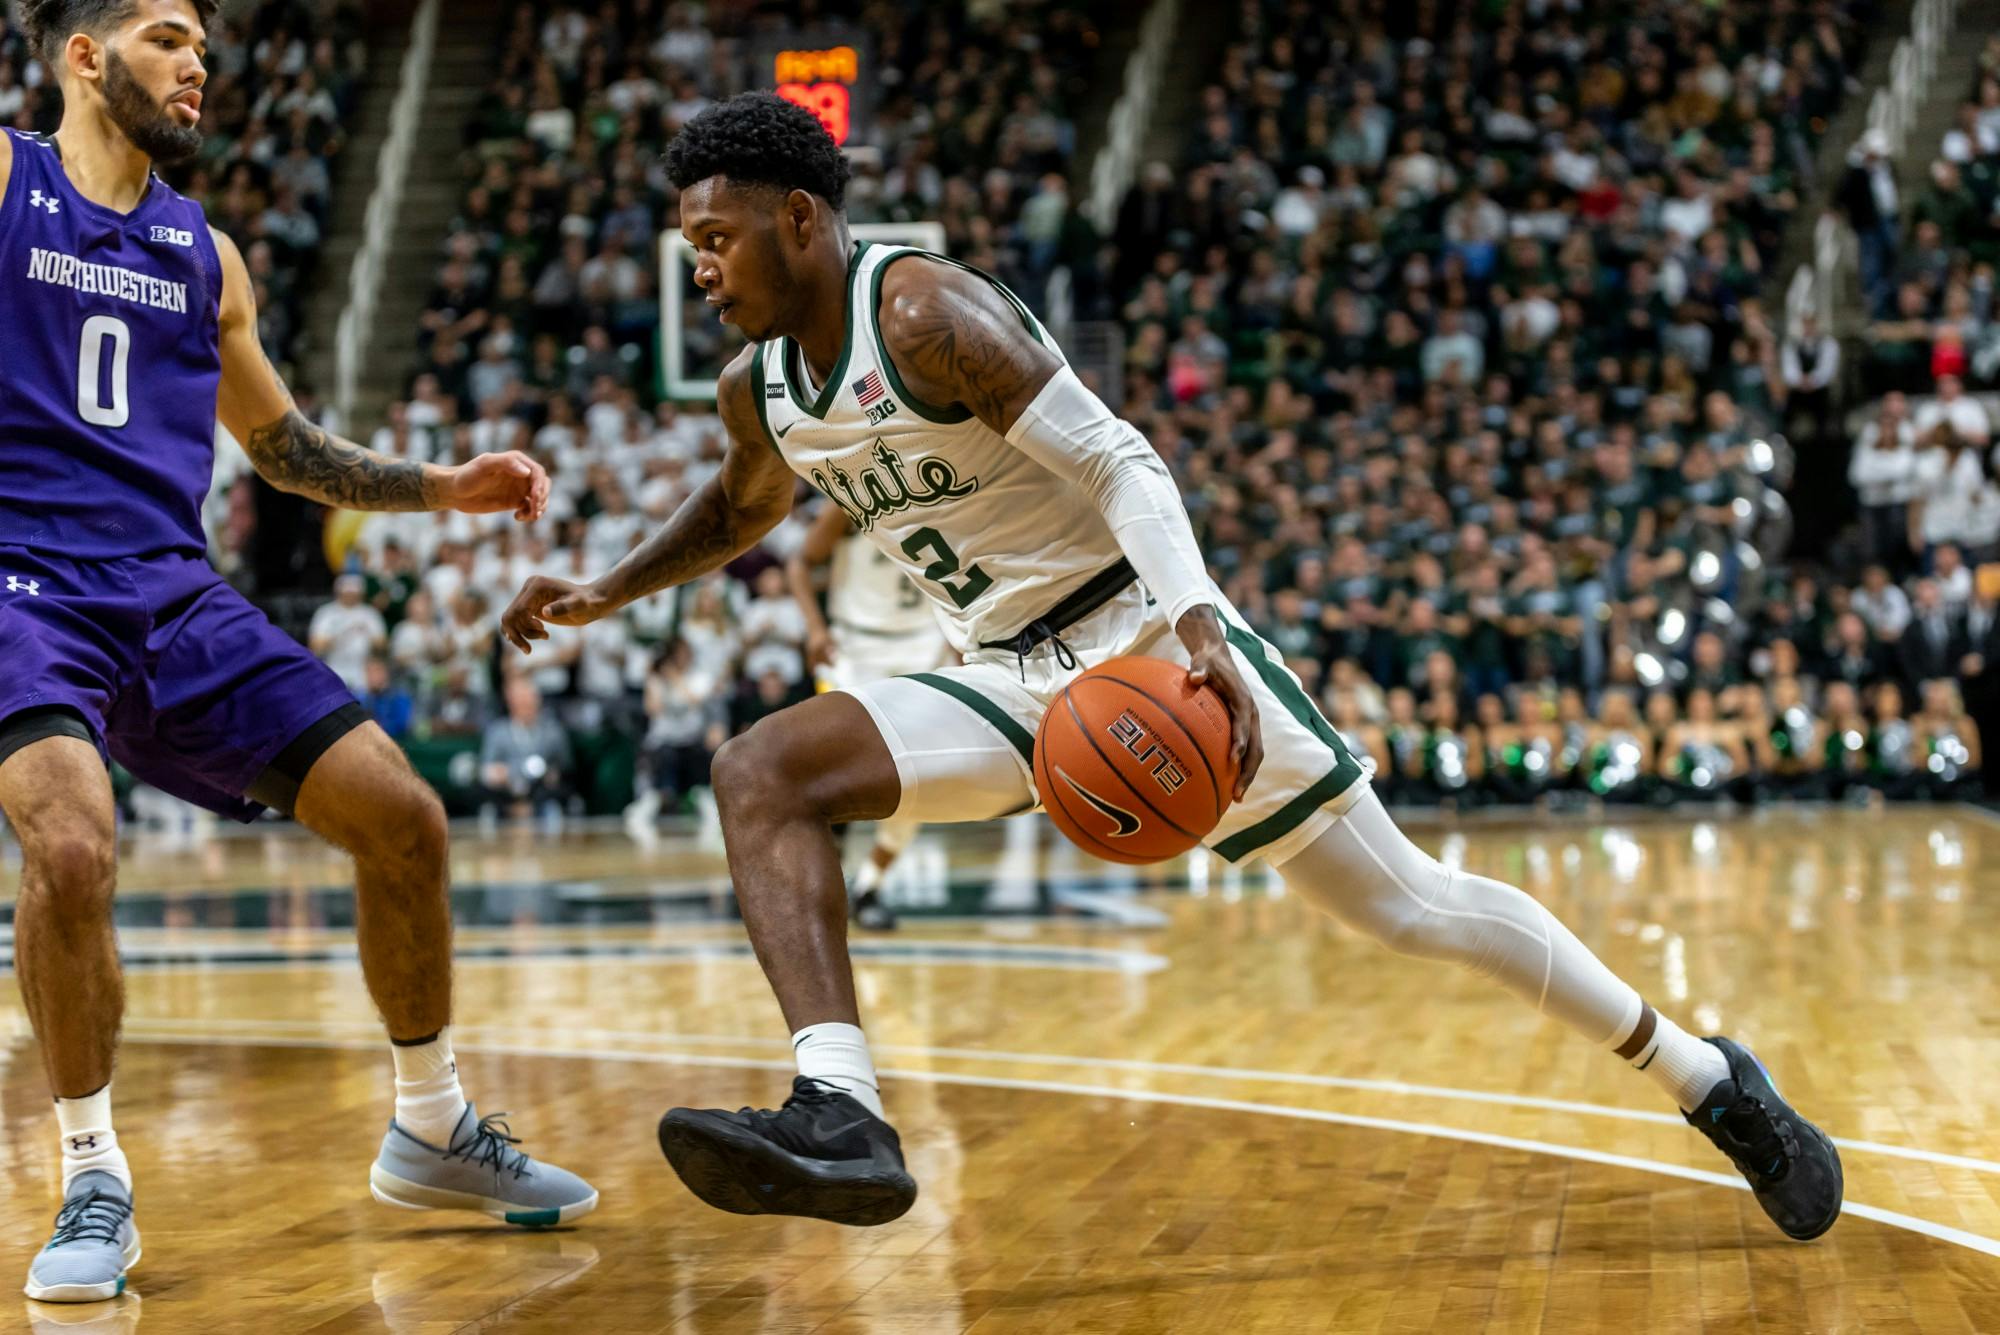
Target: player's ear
<point x="801" y="218"/>
<point x="84" y="56"/>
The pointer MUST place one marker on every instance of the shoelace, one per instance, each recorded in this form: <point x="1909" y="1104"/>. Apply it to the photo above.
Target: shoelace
<point x="804" y="1090"/>
<point x="91" y="1217"/>
<point x="491" y="1143"/>
<point x="1769" y="1146"/>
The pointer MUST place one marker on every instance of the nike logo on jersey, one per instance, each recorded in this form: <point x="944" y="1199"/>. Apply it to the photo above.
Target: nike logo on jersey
<point x="1125" y="822"/>
<point x="781" y="434"/>
<point x="881" y="488"/>
<point x="47" y="203"/>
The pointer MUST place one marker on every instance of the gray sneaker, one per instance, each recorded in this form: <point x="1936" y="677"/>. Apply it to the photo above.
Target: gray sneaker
<point x="480" y="1171"/>
<point x="95" y="1243"/>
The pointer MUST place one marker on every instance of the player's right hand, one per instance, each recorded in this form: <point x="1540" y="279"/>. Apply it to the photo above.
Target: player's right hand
<point x="544" y="602"/>
<point x="819" y="647"/>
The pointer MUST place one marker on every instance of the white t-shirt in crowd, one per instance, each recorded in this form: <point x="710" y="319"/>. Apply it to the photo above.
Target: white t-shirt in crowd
<point x="774" y="631"/>
<point x="1967" y="415"/>
<point x="346" y="636"/>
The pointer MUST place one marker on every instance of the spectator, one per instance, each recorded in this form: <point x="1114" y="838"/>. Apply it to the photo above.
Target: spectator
<point x="684" y="727"/>
<point x="387" y="703"/>
<point x="1881" y="604"/>
<point x="1810" y="362"/>
<point x="1868" y="194"/>
<point x="1953" y="498"/>
<point x="347" y="631"/>
<point x="1883" y="472"/>
<point x="1966" y="415"/>
<point x="774" y="632"/>
<point x="524" y="758"/>
<point x="1935" y="643"/>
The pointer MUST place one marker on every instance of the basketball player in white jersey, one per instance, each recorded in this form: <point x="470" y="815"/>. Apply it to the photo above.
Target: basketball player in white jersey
<point x="877" y="624"/>
<point x="927" y="403"/>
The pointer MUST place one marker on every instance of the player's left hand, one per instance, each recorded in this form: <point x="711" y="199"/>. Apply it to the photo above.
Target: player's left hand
<point x="509" y="480"/>
<point x="1209" y="661"/>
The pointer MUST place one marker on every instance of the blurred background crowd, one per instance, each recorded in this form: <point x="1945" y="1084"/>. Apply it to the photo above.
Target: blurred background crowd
<point x="1458" y="324"/>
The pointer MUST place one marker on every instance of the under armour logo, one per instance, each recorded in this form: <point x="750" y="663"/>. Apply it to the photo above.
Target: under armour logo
<point x="31" y="587"/>
<point x="82" y="1143"/>
<point x="38" y="200"/>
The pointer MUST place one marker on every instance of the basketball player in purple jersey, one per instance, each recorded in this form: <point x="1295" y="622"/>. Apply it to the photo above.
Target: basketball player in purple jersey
<point x="129" y="330"/>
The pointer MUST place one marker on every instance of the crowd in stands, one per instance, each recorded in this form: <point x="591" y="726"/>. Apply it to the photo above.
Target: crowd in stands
<point x="284" y="81"/>
<point x="1928" y="246"/>
<point x="1453" y="332"/>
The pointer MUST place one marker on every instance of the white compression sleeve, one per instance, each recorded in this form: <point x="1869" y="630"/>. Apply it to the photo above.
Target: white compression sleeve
<point x="1069" y="431"/>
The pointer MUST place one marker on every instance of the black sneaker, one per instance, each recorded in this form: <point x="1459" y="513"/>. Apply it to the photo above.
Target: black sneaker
<point x="822" y="1155"/>
<point x="1790" y="1164"/>
<point x="870" y="913"/>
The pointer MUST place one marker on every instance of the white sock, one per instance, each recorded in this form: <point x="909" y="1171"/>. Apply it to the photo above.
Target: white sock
<point x="1678" y="1062"/>
<point x="838" y="1055"/>
<point x="89" y="1145"/>
<point x="429" y="1103"/>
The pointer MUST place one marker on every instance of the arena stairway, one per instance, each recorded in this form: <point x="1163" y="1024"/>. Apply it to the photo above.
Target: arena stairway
<point x="388" y="37"/>
<point x="467" y="35"/>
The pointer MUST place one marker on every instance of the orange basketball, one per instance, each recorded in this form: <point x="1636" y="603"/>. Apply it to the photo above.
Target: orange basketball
<point x="1133" y="760"/>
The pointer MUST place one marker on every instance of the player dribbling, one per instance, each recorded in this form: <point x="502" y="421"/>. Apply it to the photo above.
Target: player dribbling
<point x="930" y="405"/>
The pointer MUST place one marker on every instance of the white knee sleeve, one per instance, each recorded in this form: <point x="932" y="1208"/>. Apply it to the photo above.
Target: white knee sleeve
<point x="1366" y="872"/>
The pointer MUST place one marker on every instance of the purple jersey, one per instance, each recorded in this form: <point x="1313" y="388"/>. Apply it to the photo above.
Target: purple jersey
<point x="109" y="363"/>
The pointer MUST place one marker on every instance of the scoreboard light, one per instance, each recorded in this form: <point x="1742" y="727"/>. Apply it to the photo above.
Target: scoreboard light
<point x="822" y="82"/>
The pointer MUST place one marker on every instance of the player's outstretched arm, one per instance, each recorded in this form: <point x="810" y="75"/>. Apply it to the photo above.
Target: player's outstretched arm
<point x="956" y="338"/>
<point x="724" y="518"/>
<point x="294" y="455"/>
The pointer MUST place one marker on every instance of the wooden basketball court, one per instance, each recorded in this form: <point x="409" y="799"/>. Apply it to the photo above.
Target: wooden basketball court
<point x="1188" y="1104"/>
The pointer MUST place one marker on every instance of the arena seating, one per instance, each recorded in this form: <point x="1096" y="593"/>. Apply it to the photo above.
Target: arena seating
<point x="1458" y="339"/>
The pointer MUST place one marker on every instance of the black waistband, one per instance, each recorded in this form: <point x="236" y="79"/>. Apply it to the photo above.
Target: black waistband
<point x="1100" y="589"/>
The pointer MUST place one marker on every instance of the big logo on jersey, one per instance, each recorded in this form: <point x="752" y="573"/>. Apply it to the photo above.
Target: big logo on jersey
<point x="881" y="487"/>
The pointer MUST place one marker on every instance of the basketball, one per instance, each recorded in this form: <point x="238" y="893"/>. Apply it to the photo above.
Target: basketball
<point x="1133" y="761"/>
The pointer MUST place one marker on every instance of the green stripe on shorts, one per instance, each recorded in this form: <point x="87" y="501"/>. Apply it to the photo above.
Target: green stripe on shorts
<point x="1346" y="771"/>
<point x="1017" y="735"/>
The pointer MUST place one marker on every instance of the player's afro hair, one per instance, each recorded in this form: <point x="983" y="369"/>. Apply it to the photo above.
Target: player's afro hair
<point x="760" y="139"/>
<point x="50" y="22"/>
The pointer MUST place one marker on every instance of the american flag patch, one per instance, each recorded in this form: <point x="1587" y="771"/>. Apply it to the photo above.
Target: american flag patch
<point x="868" y="388"/>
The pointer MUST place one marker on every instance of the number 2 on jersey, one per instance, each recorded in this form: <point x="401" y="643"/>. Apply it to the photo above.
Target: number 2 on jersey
<point x="90" y="404"/>
<point x="928" y="542"/>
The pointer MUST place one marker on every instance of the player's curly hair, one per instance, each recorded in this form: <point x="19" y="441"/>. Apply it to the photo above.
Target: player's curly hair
<point x="760" y="139"/>
<point x="50" y="22"/>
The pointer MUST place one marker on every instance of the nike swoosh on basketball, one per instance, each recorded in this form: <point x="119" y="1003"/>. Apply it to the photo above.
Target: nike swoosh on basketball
<point x="1127" y="823"/>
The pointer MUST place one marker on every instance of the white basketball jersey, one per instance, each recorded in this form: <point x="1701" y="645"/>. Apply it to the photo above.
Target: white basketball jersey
<point x="990" y="535"/>
<point x="867" y="591"/>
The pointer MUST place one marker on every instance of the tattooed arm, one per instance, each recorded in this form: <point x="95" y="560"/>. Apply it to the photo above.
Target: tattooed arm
<point x="956" y="338"/>
<point x="724" y="518"/>
<point x="294" y="455"/>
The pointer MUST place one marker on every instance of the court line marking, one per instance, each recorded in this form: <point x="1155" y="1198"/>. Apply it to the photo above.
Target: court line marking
<point x="1895" y="1219"/>
<point x="162" y="956"/>
<point x="1356" y="1083"/>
